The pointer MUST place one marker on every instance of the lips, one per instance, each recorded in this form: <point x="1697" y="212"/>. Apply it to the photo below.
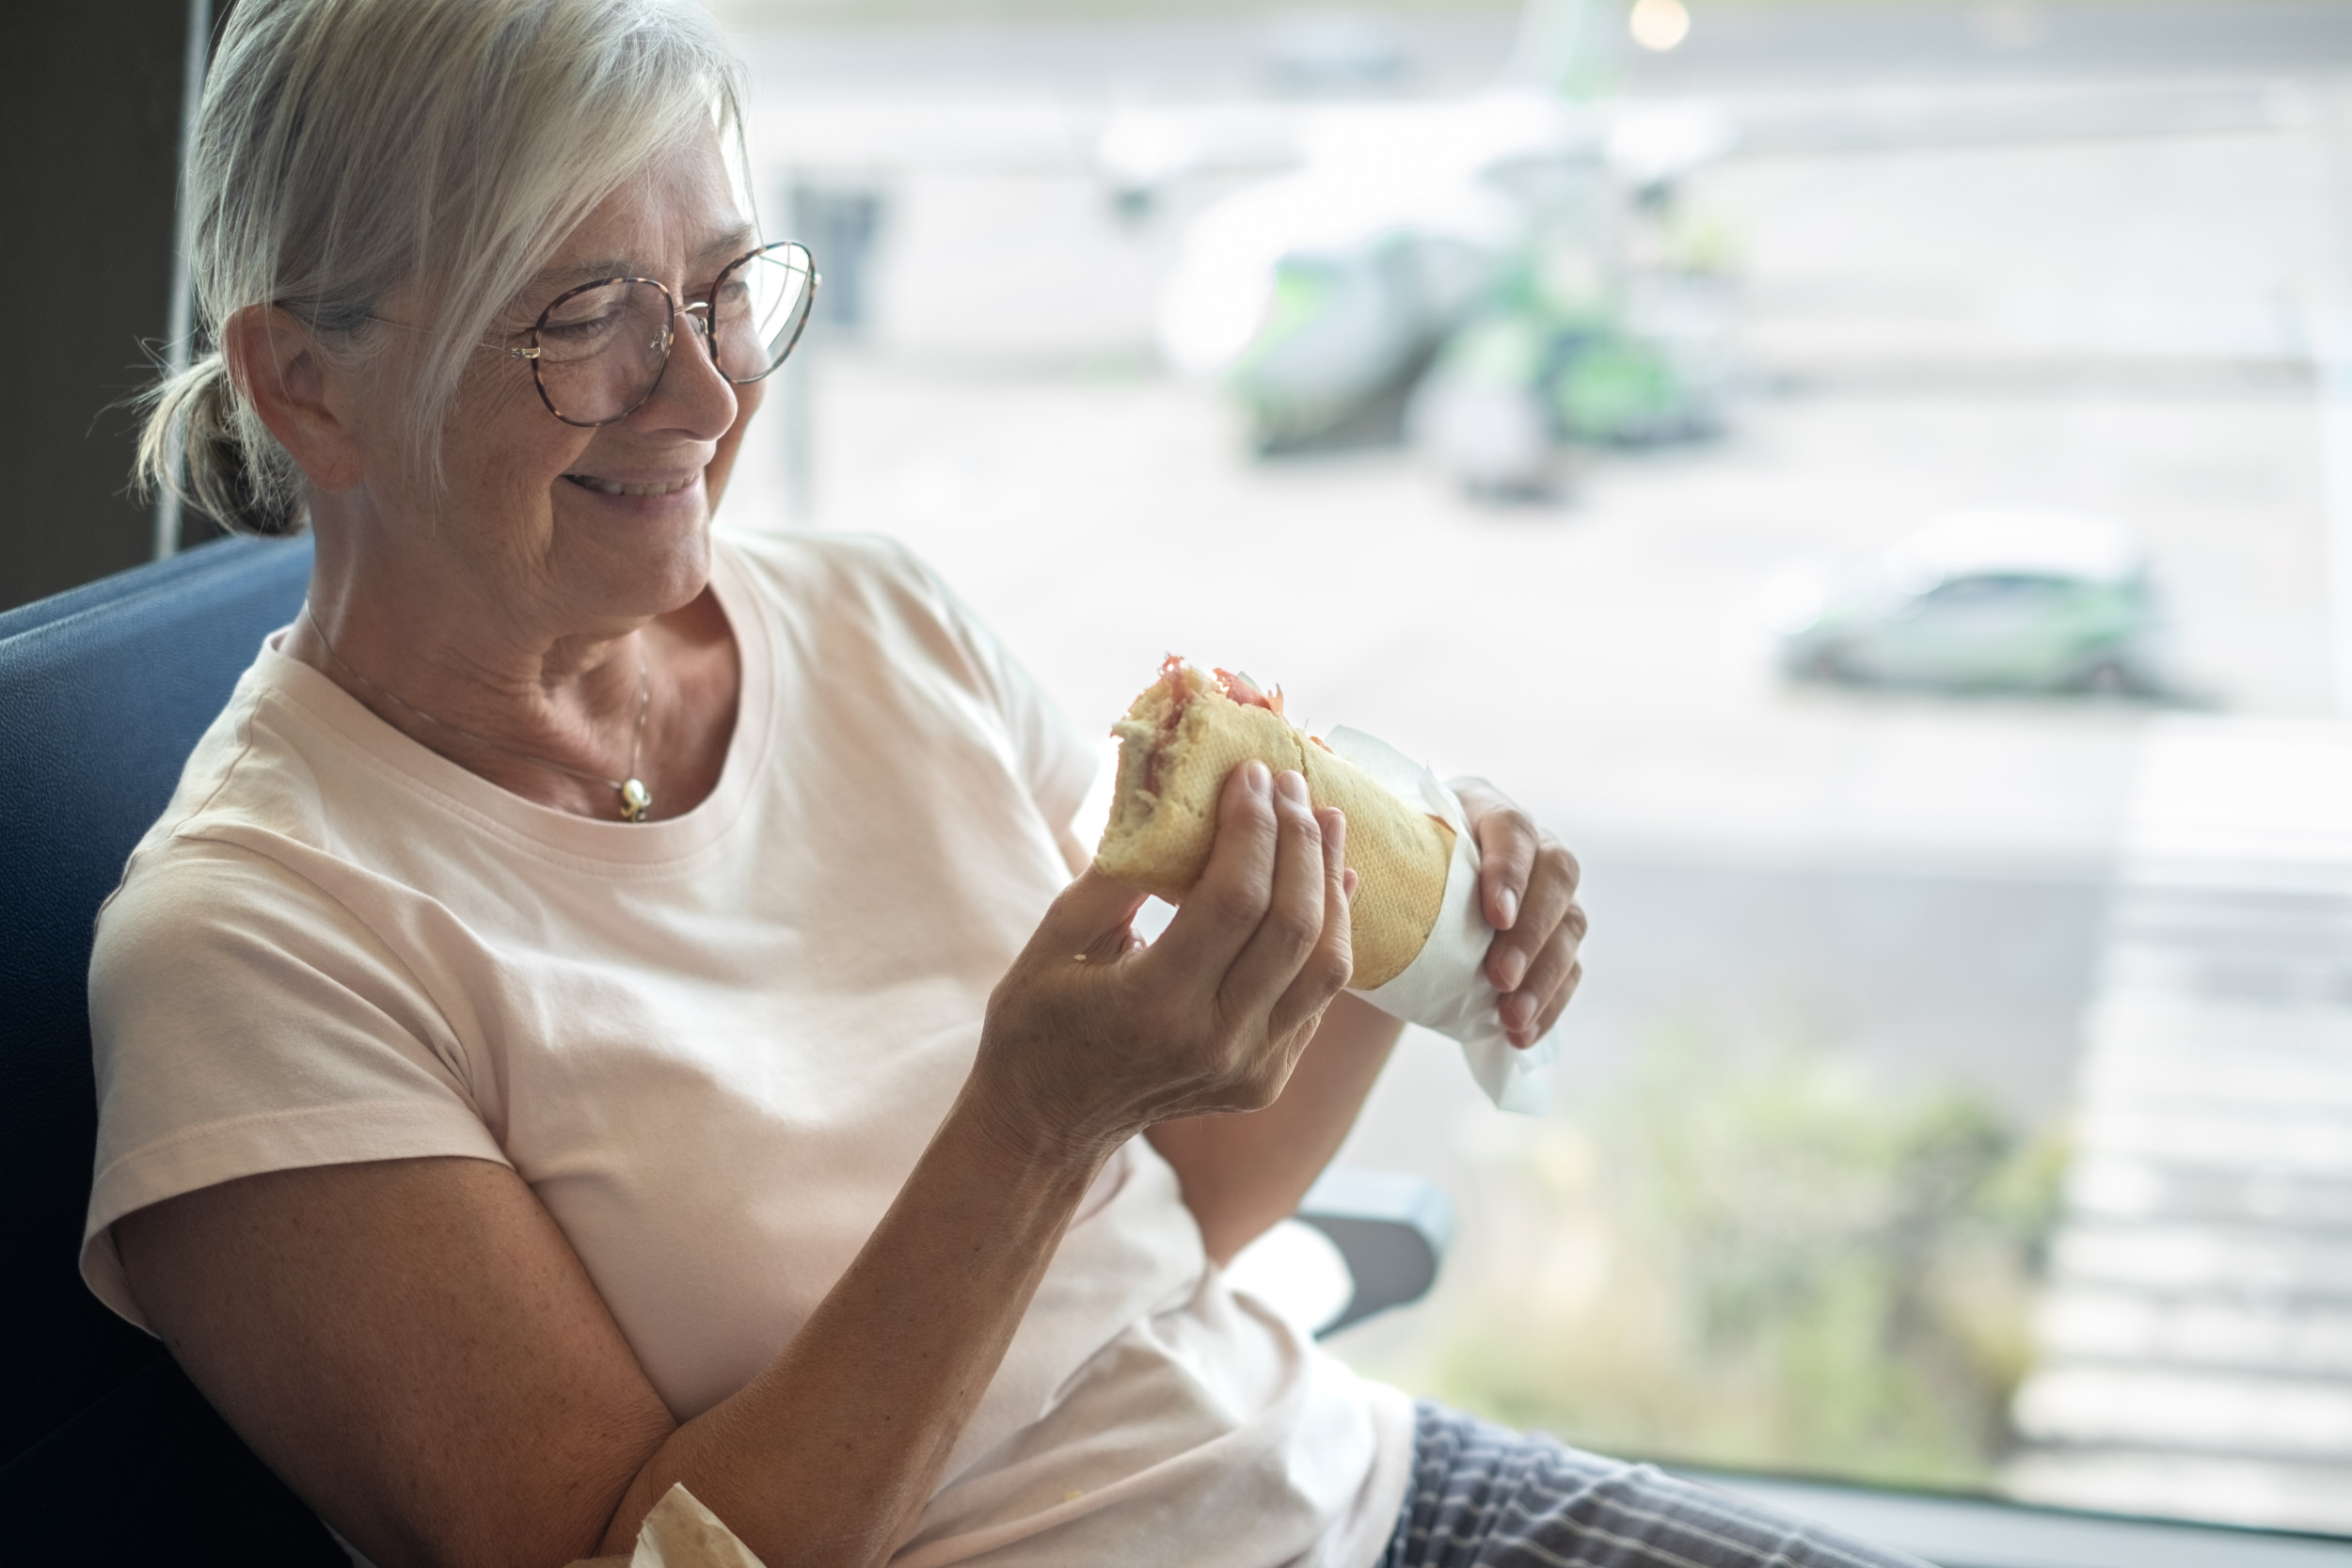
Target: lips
<point x="616" y="487"/>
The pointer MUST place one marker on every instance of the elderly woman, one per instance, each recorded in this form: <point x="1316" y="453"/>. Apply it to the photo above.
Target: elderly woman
<point x="609" y="1004"/>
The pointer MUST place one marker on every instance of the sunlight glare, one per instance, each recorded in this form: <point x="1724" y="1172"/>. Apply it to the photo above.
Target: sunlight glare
<point x="1658" y="24"/>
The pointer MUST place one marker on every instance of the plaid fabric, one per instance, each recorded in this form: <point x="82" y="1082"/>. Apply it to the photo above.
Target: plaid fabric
<point x="1484" y="1498"/>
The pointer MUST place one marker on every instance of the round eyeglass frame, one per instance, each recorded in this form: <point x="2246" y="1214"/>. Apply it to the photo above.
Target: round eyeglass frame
<point x="698" y="312"/>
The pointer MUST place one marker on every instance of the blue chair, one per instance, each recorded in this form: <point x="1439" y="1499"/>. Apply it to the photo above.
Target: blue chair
<point x="111" y="1455"/>
<point x="107" y="1452"/>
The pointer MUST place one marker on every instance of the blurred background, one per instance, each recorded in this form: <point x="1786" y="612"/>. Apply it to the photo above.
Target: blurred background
<point x="1876" y="478"/>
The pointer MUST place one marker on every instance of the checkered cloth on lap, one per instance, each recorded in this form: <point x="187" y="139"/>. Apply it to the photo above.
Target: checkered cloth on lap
<point x="1486" y="1498"/>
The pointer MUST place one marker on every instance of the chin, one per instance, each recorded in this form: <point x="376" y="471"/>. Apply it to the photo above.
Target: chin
<point x="654" y="551"/>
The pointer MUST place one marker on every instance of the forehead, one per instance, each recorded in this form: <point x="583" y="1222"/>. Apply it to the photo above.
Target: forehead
<point x="677" y="214"/>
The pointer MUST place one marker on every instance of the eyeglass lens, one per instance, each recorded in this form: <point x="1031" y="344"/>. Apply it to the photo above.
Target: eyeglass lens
<point x="602" y="349"/>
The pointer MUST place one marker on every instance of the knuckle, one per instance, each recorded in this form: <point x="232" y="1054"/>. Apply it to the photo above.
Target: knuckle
<point x="1299" y="825"/>
<point x="1233" y="904"/>
<point x="1295" y="928"/>
<point x="1577" y="922"/>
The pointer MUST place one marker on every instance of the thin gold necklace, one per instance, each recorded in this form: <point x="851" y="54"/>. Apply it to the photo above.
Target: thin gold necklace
<point x="636" y="800"/>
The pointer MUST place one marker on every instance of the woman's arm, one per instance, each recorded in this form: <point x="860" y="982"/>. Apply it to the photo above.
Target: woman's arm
<point x="414" y="1346"/>
<point x="1244" y="1172"/>
<point x="417" y="1349"/>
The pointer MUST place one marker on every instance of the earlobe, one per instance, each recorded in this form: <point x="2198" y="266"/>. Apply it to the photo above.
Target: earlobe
<point x="278" y="369"/>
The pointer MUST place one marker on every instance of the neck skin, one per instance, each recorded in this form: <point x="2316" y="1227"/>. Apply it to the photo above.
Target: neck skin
<point x="501" y="648"/>
<point x="567" y="697"/>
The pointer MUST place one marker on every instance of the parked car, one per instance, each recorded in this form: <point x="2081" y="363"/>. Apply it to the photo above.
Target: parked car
<point x="2011" y="599"/>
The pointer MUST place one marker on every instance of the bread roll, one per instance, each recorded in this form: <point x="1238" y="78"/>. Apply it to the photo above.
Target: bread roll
<point x="1176" y="747"/>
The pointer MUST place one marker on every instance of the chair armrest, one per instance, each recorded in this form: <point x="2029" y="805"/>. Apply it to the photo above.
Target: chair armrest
<point x="149" y="1474"/>
<point x="1391" y="1229"/>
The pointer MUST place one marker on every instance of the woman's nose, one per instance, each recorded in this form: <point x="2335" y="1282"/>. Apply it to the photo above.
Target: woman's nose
<point x="692" y="395"/>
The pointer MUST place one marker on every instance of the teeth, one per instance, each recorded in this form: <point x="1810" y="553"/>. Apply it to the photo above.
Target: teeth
<point x="589" y="482"/>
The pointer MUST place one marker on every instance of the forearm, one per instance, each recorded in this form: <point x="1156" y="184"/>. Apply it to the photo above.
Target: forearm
<point x="830" y="1453"/>
<point x="1243" y="1173"/>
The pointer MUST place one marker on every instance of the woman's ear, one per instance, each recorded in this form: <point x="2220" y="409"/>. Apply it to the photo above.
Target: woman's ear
<point x="279" y="369"/>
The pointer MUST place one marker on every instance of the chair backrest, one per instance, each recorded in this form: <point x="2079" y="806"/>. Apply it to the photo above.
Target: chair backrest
<point x="102" y="692"/>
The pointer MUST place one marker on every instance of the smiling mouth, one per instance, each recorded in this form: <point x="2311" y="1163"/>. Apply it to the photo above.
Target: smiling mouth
<point x="612" y="487"/>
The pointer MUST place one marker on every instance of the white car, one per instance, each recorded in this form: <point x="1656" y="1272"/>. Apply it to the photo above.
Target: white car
<point x="2005" y="599"/>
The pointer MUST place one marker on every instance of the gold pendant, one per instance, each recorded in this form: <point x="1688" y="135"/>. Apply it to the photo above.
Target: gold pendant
<point x="635" y="800"/>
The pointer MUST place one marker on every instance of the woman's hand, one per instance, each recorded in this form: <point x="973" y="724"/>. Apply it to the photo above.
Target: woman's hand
<point x="1527" y="888"/>
<point x="1092" y="1037"/>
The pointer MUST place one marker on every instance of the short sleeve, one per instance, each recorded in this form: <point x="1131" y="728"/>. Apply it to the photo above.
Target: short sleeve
<point x="1058" y="762"/>
<point x="244" y="1021"/>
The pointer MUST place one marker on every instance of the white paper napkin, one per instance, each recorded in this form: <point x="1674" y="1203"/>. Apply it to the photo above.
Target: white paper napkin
<point x="679" y="1532"/>
<point x="1445" y="987"/>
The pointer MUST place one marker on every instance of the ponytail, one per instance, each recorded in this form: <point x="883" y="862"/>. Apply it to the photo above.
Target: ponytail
<point x="201" y="443"/>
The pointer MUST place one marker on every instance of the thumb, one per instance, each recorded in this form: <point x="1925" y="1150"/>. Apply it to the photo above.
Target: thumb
<point x="1092" y="914"/>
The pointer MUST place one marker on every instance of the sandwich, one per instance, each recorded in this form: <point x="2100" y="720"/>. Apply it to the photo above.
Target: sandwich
<point x="1182" y="739"/>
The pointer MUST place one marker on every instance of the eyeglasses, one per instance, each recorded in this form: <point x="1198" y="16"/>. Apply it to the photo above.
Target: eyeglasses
<point x="598" y="352"/>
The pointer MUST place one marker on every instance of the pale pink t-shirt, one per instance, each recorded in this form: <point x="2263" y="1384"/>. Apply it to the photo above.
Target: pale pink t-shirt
<point x="714" y="1046"/>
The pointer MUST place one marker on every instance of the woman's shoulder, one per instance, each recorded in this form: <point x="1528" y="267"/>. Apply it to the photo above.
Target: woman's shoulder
<point x="271" y="806"/>
<point x="854" y="598"/>
<point x="834" y="572"/>
<point x="269" y="764"/>
<point x="186" y="891"/>
<point x="233" y="856"/>
<point x="874" y="618"/>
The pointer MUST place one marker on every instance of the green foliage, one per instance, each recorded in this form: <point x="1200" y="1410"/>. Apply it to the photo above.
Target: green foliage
<point x="1767" y="1262"/>
<point x="1618" y="389"/>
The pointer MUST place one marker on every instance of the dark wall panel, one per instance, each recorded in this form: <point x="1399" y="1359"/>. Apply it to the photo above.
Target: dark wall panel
<point x="91" y="124"/>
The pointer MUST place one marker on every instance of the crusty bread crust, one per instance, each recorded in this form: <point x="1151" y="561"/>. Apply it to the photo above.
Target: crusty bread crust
<point x="1159" y="836"/>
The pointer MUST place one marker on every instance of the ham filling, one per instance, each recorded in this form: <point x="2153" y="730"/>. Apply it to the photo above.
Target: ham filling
<point x="1235" y="687"/>
<point x="1240" y="690"/>
<point x="1179" y="697"/>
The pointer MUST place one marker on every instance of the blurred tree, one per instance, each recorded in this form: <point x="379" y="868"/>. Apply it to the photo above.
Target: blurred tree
<point x="1770" y="1262"/>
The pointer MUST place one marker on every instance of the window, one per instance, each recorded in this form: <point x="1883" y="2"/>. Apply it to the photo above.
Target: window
<point x="1961" y="1095"/>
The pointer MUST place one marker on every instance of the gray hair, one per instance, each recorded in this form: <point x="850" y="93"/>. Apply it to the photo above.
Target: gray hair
<point x="349" y="149"/>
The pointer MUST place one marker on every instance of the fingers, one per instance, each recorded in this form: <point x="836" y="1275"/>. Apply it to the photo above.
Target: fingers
<point x="1326" y="971"/>
<point x="1508" y="842"/>
<point x="1528" y="1012"/>
<point x="1551" y="893"/>
<point x="1292" y="925"/>
<point x="1092" y="915"/>
<point x="1534" y="964"/>
<point x="1221" y="912"/>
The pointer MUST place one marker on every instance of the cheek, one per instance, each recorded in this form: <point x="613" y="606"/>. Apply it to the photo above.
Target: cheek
<point x="503" y="445"/>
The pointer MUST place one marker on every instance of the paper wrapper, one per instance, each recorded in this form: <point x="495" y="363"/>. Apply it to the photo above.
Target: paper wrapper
<point x="1445" y="988"/>
<point x="679" y="1532"/>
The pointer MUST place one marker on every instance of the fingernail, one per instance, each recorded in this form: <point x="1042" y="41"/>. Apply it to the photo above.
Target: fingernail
<point x="1514" y="969"/>
<point x="1348" y="880"/>
<point x="1293" y="786"/>
<point x="1517" y="1013"/>
<point x="1508" y="906"/>
<point x="1254" y="776"/>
